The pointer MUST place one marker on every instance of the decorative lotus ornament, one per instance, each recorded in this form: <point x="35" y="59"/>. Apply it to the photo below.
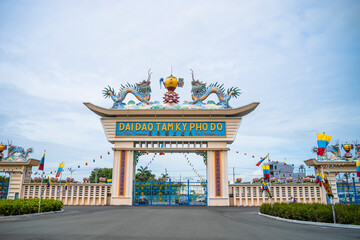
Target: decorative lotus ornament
<point x="347" y="147"/>
<point x="238" y="180"/>
<point x="54" y="179"/>
<point x="102" y="179"/>
<point x="171" y="83"/>
<point x="37" y="179"/>
<point x="256" y="179"/>
<point x="69" y="179"/>
<point x="307" y="179"/>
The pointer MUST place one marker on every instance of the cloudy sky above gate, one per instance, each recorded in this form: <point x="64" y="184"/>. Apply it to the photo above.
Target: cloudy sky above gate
<point x="299" y="59"/>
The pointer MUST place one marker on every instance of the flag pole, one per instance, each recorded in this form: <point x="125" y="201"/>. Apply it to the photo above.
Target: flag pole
<point x="331" y="198"/>
<point x="42" y="178"/>
<point x="60" y="195"/>
<point x="271" y="200"/>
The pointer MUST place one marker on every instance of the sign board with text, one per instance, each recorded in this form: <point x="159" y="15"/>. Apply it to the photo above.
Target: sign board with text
<point x="170" y="129"/>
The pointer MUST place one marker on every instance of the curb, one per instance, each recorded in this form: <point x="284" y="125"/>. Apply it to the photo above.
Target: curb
<point x="335" y="225"/>
<point x="32" y="214"/>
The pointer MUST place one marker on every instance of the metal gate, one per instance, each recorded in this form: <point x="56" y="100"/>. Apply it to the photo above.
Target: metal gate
<point x="349" y="192"/>
<point x="170" y="193"/>
<point x="4" y="188"/>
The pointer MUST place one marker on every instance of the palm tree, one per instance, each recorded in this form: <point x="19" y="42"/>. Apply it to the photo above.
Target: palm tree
<point x="141" y="169"/>
<point x="143" y="175"/>
<point x="164" y="177"/>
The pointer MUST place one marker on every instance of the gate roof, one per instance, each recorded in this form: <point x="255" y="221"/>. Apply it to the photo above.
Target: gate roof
<point x="234" y="112"/>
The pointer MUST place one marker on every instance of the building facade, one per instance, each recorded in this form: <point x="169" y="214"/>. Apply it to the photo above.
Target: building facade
<point x="281" y="170"/>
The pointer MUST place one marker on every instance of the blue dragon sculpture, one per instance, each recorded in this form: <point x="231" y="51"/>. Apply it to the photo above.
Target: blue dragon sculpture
<point x="199" y="92"/>
<point x="16" y="154"/>
<point x="335" y="149"/>
<point x="142" y="91"/>
<point x="357" y="150"/>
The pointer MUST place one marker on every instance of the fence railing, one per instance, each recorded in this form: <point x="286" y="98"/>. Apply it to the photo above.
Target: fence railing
<point x="251" y="195"/>
<point x="240" y="194"/>
<point x="76" y="193"/>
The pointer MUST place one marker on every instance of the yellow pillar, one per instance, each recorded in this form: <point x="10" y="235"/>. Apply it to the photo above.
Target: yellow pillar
<point x="217" y="175"/>
<point x="122" y="178"/>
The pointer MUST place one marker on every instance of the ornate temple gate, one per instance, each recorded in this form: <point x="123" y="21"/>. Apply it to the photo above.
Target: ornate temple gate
<point x="171" y="130"/>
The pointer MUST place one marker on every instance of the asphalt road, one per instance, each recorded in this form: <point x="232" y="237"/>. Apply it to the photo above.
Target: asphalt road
<point x="110" y="222"/>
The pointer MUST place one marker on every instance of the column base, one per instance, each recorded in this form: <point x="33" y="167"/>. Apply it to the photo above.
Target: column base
<point x="121" y="201"/>
<point x="217" y="202"/>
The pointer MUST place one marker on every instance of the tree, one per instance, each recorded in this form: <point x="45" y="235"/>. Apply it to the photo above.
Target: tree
<point x="101" y="172"/>
<point x="4" y="179"/>
<point x="164" y="177"/>
<point x="144" y="175"/>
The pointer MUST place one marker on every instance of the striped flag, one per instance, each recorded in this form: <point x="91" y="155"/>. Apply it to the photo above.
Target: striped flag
<point x="48" y="183"/>
<point x="261" y="160"/>
<point x="264" y="187"/>
<point x="358" y="168"/>
<point x="322" y="141"/>
<point x="65" y="186"/>
<point x="61" y="166"/>
<point x="42" y="162"/>
<point x="266" y="170"/>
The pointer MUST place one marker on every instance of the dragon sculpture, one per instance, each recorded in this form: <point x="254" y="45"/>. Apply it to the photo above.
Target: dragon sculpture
<point x="357" y="150"/>
<point x="335" y="149"/>
<point x="141" y="90"/>
<point x="16" y="153"/>
<point x="200" y="92"/>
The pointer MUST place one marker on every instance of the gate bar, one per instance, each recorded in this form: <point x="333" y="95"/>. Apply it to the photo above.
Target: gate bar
<point x="188" y="192"/>
<point x="151" y="192"/>
<point x="169" y="191"/>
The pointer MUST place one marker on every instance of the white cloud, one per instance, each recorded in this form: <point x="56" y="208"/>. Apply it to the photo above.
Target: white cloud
<point x="297" y="59"/>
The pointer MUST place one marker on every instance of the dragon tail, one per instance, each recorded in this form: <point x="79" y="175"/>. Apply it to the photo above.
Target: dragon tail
<point x="106" y="91"/>
<point x="233" y="92"/>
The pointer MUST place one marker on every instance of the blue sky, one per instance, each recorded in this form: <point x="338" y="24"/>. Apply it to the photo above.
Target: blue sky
<point x="300" y="59"/>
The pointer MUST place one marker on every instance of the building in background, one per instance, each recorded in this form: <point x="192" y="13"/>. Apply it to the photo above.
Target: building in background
<point x="281" y="170"/>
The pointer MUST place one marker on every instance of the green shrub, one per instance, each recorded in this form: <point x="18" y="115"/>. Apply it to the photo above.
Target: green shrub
<point x="314" y="212"/>
<point x="26" y="206"/>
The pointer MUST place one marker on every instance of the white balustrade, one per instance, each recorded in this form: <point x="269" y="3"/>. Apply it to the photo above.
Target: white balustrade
<point x="250" y="194"/>
<point x="76" y="193"/>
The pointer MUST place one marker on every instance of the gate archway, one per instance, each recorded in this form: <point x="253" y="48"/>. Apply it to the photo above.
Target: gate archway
<point x="179" y="184"/>
<point x="171" y="130"/>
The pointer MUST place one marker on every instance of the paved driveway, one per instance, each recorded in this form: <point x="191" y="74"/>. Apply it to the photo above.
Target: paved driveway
<point x="109" y="222"/>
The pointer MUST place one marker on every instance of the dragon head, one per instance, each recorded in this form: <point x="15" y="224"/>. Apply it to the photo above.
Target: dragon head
<point x="357" y="148"/>
<point x="197" y="86"/>
<point x="335" y="147"/>
<point x="144" y="86"/>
